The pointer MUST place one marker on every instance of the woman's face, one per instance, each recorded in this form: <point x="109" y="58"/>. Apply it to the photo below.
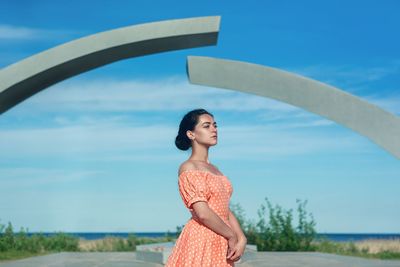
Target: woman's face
<point x="205" y="132"/>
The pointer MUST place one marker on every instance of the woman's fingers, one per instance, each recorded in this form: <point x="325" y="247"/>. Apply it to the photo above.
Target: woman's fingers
<point x="236" y="259"/>
<point x="231" y="252"/>
<point x="238" y="251"/>
<point x="235" y="254"/>
<point x="231" y="247"/>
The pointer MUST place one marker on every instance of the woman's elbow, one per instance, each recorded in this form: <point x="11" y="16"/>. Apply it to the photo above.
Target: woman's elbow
<point x="201" y="211"/>
<point x="202" y="217"/>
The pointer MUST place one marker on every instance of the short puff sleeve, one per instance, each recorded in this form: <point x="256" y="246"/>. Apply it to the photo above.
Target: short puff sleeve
<point x="193" y="187"/>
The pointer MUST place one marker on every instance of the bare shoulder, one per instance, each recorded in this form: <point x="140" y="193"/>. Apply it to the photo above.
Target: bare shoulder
<point x="187" y="165"/>
<point x="192" y="165"/>
<point x="215" y="167"/>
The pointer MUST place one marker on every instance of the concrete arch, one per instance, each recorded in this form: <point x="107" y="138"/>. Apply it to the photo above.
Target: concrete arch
<point x="25" y="78"/>
<point x="367" y="119"/>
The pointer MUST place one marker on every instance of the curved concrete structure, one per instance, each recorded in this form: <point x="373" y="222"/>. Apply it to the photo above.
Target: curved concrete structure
<point x="29" y="76"/>
<point x="378" y="125"/>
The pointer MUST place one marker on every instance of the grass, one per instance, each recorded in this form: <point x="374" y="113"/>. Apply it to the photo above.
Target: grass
<point x="378" y="245"/>
<point x="371" y="249"/>
<point x="107" y="244"/>
<point x="15" y="255"/>
<point x="22" y="245"/>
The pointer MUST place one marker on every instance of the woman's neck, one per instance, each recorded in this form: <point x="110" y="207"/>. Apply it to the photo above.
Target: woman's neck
<point x="199" y="153"/>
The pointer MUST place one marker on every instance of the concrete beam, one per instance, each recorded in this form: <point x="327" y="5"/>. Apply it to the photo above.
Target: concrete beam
<point x="25" y="78"/>
<point x="367" y="119"/>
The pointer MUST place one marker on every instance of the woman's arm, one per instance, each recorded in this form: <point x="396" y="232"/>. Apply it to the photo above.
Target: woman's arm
<point x="237" y="250"/>
<point x="203" y="213"/>
<point x="236" y="227"/>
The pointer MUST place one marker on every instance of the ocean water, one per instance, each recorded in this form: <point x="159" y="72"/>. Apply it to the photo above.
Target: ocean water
<point x="338" y="237"/>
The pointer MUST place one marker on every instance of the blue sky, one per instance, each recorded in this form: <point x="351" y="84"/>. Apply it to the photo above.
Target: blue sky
<point x="96" y="152"/>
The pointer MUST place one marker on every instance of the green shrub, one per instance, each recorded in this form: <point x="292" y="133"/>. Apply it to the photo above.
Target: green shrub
<point x="277" y="233"/>
<point x="8" y="237"/>
<point x="36" y="243"/>
<point x="61" y="242"/>
<point x="3" y="246"/>
<point x="132" y="242"/>
<point x="388" y="255"/>
<point x="21" y="240"/>
<point x="305" y="228"/>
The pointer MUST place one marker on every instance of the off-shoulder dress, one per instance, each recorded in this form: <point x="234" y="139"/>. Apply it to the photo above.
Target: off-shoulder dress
<point x="197" y="245"/>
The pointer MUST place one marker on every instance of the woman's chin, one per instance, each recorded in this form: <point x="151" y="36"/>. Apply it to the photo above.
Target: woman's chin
<point x="214" y="143"/>
<point x="210" y="144"/>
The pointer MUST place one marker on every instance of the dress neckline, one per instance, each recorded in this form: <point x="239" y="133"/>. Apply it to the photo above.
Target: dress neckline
<point x="202" y="171"/>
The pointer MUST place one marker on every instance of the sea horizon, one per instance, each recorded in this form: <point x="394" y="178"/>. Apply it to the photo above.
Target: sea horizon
<point x="331" y="236"/>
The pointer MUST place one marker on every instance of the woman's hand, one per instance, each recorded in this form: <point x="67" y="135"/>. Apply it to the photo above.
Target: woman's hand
<point x="237" y="250"/>
<point x="232" y="242"/>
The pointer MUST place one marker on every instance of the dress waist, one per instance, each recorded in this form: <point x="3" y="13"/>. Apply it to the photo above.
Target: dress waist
<point x="196" y="219"/>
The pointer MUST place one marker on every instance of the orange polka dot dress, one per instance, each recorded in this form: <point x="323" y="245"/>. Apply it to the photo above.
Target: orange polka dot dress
<point x="198" y="245"/>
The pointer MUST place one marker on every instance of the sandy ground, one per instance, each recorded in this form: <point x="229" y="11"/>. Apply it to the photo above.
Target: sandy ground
<point x="377" y="245"/>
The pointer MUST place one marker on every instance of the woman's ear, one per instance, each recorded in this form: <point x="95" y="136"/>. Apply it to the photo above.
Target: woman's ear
<point x="190" y="134"/>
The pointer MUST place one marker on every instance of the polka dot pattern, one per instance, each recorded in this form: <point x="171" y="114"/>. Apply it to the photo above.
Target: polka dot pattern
<point x="197" y="245"/>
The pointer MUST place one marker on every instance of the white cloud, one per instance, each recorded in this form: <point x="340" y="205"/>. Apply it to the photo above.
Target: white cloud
<point x="12" y="32"/>
<point x="125" y="96"/>
<point x="311" y="123"/>
<point x="173" y="94"/>
<point x="348" y="75"/>
<point x="271" y="141"/>
<point x="27" y="177"/>
<point x="15" y="32"/>
<point x="118" y="140"/>
<point x="83" y="141"/>
<point x="118" y="136"/>
<point x="295" y="119"/>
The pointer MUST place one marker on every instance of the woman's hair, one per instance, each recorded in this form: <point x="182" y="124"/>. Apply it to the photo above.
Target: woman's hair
<point x="188" y="123"/>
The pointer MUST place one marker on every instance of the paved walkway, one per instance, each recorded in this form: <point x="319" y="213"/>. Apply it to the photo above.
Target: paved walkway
<point x="82" y="259"/>
<point x="259" y="259"/>
<point x="312" y="259"/>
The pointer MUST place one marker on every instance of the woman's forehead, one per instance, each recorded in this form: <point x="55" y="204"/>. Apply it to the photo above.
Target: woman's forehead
<point x="206" y="118"/>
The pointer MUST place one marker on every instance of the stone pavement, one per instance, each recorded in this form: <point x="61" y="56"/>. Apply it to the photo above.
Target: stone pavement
<point x="312" y="259"/>
<point x="82" y="259"/>
<point x="260" y="259"/>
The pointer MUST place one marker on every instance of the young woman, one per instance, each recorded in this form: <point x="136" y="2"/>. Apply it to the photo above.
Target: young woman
<point x="212" y="237"/>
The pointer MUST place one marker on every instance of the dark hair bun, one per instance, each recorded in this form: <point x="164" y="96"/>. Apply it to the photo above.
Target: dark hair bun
<point x="182" y="142"/>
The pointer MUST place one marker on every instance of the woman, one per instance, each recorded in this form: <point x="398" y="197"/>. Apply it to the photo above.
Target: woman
<point x="212" y="237"/>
